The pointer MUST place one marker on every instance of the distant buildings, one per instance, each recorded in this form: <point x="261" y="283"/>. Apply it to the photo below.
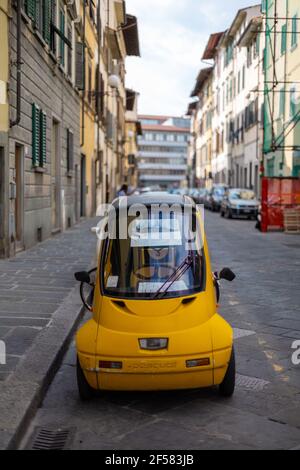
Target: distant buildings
<point x="227" y="116"/>
<point x="163" y="148"/>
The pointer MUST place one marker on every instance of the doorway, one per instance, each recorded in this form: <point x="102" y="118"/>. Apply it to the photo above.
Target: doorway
<point x="19" y="200"/>
<point x="83" y="186"/>
<point x="55" y="177"/>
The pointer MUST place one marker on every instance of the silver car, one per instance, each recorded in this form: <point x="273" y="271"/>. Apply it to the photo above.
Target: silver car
<point x="239" y="203"/>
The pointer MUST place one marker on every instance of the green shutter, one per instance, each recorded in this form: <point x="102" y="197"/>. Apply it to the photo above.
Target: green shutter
<point x="283" y="39"/>
<point x="47" y="17"/>
<point x="294" y="30"/>
<point x="30" y="8"/>
<point x="43" y="138"/>
<point x="35" y="135"/>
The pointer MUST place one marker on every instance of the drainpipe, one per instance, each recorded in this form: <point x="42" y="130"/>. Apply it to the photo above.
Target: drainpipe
<point x="98" y="91"/>
<point x="19" y="67"/>
<point x="84" y="82"/>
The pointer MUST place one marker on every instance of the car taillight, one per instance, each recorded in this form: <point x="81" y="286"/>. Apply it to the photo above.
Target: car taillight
<point x="110" y="365"/>
<point x="198" y="362"/>
<point x="153" y="344"/>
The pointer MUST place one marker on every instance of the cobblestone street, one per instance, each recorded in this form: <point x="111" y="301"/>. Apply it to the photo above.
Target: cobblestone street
<point x="263" y="307"/>
<point x="33" y="286"/>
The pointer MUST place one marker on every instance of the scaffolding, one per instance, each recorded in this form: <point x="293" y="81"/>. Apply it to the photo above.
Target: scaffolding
<point x="282" y="82"/>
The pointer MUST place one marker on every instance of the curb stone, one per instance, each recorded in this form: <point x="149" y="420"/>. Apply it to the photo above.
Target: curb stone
<point x="25" y="389"/>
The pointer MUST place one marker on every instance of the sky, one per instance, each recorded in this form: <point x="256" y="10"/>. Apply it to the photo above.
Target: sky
<point x="173" y="35"/>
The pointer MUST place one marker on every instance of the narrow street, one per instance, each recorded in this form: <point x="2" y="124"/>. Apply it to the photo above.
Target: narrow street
<point x="263" y="306"/>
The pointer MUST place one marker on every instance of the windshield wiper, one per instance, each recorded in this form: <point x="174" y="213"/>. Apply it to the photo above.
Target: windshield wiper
<point x="178" y="273"/>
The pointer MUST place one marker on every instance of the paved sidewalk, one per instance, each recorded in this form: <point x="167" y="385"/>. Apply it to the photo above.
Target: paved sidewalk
<point x="39" y="305"/>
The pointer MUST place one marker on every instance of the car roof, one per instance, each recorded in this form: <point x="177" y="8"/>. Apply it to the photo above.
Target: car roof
<point x="155" y="198"/>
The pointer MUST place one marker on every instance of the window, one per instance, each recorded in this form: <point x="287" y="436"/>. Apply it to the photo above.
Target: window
<point x="293" y="103"/>
<point x="70" y="150"/>
<point x="244" y="78"/>
<point x="170" y="137"/>
<point x="70" y="39"/>
<point x="239" y="82"/>
<point x="39" y="136"/>
<point x="41" y="12"/>
<point x="249" y="56"/>
<point x="61" y="41"/>
<point x="160" y="137"/>
<point x="294" y="30"/>
<point x="90" y="83"/>
<point x="283" y="39"/>
<point x="282" y="103"/>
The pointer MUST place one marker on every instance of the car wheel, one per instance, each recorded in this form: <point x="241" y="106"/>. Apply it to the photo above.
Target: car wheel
<point x="86" y="392"/>
<point x="226" y="389"/>
<point x="228" y="214"/>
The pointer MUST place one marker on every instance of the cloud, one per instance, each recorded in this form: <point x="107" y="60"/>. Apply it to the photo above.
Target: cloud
<point x="173" y="34"/>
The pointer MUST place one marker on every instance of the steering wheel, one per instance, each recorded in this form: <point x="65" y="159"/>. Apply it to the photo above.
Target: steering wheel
<point x="154" y="272"/>
<point x="89" y="296"/>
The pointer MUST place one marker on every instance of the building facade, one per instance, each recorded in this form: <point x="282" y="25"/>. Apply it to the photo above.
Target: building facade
<point x="230" y="104"/>
<point x="203" y="134"/>
<point x="163" y="151"/>
<point x="62" y="113"/>
<point x="4" y="125"/>
<point x="282" y="89"/>
<point x="133" y="132"/>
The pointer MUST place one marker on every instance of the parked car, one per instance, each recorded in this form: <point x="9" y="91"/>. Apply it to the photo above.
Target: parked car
<point x="240" y="203"/>
<point x="215" y="197"/>
<point x="198" y="195"/>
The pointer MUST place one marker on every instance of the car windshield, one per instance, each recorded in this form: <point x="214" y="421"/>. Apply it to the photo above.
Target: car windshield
<point x="138" y="266"/>
<point x="219" y="191"/>
<point x="243" y="195"/>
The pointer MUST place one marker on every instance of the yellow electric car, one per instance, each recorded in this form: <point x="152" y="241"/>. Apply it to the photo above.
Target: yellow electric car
<point x="153" y="297"/>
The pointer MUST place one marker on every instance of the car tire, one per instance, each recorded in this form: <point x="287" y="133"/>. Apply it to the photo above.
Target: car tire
<point x="227" y="387"/>
<point x="228" y="214"/>
<point x="86" y="392"/>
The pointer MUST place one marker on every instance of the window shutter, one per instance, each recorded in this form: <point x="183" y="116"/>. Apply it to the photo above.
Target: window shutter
<point x="43" y="139"/>
<point x="62" y="30"/>
<point x="47" y="16"/>
<point x="79" y="66"/>
<point x="35" y="134"/>
<point x="70" y="151"/>
<point x="30" y="8"/>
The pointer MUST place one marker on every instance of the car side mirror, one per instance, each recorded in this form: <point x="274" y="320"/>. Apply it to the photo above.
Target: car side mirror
<point x="83" y="276"/>
<point x="227" y="274"/>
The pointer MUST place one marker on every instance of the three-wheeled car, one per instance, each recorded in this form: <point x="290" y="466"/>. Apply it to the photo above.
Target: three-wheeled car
<point x="155" y="323"/>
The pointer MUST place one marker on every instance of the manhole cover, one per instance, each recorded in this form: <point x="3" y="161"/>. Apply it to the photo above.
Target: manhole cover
<point x="251" y="383"/>
<point x="51" y="439"/>
<point x="240" y="333"/>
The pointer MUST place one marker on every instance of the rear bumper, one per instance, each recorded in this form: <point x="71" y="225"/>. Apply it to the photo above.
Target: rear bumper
<point x="154" y="374"/>
<point x="244" y="212"/>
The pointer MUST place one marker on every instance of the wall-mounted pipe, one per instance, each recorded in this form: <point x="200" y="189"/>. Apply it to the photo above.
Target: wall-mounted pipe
<point x="84" y="80"/>
<point x="19" y="67"/>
